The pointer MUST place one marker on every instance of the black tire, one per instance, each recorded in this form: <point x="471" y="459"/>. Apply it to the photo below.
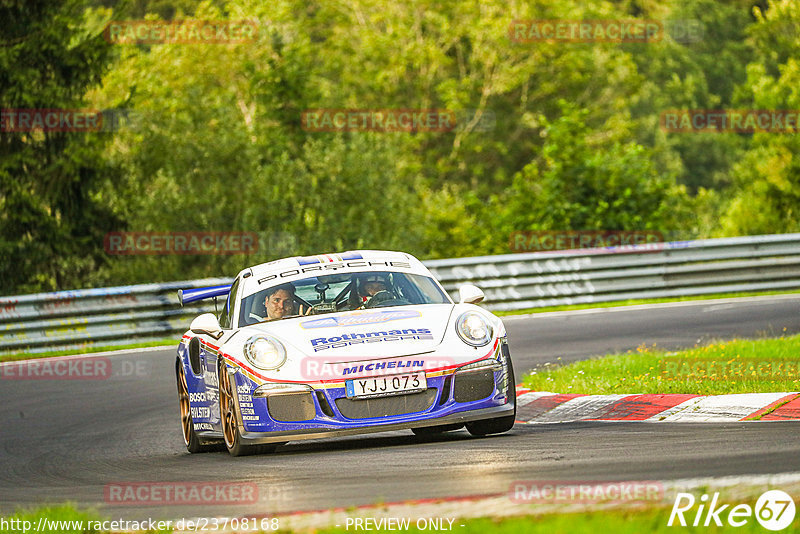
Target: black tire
<point x="436" y="430"/>
<point x="190" y="438"/>
<point x="498" y="425"/>
<point x="227" y="412"/>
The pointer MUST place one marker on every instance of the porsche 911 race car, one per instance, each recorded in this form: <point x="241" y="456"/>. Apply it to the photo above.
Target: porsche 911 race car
<point x="340" y="344"/>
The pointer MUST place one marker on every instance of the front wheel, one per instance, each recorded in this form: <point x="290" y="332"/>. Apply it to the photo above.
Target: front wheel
<point x="498" y="425"/>
<point x="190" y="438"/>
<point x="227" y="411"/>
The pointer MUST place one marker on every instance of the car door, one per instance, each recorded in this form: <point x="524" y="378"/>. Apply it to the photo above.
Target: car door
<point x="210" y="357"/>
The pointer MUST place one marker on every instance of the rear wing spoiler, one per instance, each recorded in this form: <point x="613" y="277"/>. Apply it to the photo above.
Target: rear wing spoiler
<point x="185" y="296"/>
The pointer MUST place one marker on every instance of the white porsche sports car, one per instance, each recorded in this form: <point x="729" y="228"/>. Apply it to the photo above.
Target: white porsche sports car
<point x="338" y="344"/>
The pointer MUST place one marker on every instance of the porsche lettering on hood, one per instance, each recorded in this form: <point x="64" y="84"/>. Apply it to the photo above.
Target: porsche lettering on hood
<point x="345" y="340"/>
<point x="354" y="319"/>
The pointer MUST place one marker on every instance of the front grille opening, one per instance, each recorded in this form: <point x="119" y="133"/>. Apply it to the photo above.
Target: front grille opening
<point x="323" y="404"/>
<point x="474" y="385"/>
<point x="294" y="407"/>
<point x="446" y="390"/>
<point x="386" y="406"/>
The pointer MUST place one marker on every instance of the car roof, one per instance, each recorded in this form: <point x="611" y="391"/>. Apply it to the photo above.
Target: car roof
<point x="379" y="259"/>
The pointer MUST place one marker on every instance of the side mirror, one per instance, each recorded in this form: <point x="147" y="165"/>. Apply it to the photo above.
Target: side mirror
<point x="469" y="294"/>
<point x="206" y="324"/>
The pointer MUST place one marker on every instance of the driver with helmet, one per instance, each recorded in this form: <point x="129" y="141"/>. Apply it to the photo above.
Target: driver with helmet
<point x="374" y="289"/>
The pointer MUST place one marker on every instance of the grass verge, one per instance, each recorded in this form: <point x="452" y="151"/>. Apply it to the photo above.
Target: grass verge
<point x="738" y="366"/>
<point x="629" y="521"/>
<point x="621" y="521"/>
<point x="53" y="519"/>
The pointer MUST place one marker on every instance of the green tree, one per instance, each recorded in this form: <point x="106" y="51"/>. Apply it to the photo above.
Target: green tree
<point x="696" y="66"/>
<point x="53" y="212"/>
<point x="766" y="190"/>
<point x="585" y="180"/>
<point x="220" y="147"/>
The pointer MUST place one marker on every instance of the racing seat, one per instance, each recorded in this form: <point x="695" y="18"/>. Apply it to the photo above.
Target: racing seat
<point x="258" y="306"/>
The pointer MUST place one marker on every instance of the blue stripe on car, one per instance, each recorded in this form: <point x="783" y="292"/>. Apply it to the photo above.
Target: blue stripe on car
<point x="352" y="256"/>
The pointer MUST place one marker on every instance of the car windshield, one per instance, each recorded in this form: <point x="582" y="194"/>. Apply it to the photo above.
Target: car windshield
<point x="341" y="292"/>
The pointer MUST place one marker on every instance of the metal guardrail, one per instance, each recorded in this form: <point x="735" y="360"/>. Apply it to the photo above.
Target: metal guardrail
<point x="97" y="317"/>
<point x="134" y="314"/>
<point x="657" y="270"/>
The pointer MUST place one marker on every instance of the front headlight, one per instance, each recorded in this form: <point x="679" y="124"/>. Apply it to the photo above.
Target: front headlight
<point x="265" y="352"/>
<point x="474" y="329"/>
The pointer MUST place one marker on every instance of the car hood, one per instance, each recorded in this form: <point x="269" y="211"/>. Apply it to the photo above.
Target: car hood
<point x="362" y="334"/>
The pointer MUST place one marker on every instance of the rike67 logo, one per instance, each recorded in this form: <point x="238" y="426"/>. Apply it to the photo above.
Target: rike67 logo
<point x="774" y="510"/>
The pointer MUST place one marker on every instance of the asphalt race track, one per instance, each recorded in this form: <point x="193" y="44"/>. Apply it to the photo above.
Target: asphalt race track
<point x="65" y="440"/>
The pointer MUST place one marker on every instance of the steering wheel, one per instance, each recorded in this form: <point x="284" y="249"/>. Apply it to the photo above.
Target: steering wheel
<point x="378" y="303"/>
<point x="391" y="302"/>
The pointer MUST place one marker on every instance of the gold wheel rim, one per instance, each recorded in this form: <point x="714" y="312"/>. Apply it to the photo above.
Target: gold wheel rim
<point x="183" y="401"/>
<point x="226" y="407"/>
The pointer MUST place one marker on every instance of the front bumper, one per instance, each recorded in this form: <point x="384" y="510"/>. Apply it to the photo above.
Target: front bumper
<point x="473" y="392"/>
<point x="255" y="438"/>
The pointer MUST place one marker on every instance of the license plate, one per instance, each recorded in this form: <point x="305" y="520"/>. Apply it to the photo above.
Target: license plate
<point x="385" y="385"/>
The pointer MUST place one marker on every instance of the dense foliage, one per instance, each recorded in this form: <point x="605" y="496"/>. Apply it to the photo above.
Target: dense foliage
<point x="552" y="135"/>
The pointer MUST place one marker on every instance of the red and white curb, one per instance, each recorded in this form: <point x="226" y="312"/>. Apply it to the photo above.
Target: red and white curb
<point x="545" y="407"/>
